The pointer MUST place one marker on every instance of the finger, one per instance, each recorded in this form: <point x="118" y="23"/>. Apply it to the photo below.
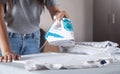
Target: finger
<point x="1" y="58"/>
<point x="65" y="14"/>
<point x="61" y="15"/>
<point x="58" y="16"/>
<point x="19" y="57"/>
<point x="9" y="58"/>
<point x="5" y="58"/>
<point x="15" y="57"/>
<point x="59" y="22"/>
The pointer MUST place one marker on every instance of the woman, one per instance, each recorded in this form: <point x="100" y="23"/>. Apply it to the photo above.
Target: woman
<point x="19" y="26"/>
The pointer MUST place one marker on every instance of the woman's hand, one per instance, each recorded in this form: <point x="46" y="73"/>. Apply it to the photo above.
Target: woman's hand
<point x="59" y="15"/>
<point x="9" y="56"/>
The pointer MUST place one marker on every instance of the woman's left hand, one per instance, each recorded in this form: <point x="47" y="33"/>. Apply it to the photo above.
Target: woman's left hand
<point x="56" y="13"/>
<point x="59" y="15"/>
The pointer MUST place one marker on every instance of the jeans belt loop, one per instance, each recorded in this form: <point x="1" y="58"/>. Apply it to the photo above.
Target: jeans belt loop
<point x="10" y="34"/>
<point x="33" y="35"/>
<point x="23" y="35"/>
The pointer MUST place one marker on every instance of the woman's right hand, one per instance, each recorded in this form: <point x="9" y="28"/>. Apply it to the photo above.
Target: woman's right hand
<point x="9" y="56"/>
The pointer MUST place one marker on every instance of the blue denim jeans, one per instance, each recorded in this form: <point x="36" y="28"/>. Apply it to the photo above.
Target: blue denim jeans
<point x="24" y="44"/>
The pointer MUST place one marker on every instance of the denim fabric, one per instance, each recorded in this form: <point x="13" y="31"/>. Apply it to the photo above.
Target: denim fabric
<point x="24" y="44"/>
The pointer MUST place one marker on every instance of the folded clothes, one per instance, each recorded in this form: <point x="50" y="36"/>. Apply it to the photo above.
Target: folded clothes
<point x="88" y="50"/>
<point x="92" y="48"/>
<point x="103" y="44"/>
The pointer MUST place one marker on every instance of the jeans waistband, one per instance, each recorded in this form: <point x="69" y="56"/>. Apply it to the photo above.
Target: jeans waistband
<point x="37" y="33"/>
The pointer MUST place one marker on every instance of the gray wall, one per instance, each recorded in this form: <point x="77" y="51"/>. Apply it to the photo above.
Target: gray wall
<point x="81" y="15"/>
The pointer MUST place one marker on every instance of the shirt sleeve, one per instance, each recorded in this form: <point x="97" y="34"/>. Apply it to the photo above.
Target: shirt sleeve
<point x="50" y="3"/>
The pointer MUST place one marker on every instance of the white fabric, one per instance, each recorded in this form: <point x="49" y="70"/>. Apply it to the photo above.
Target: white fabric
<point x="103" y="44"/>
<point x="93" y="48"/>
<point x="88" y="50"/>
<point x="64" y="60"/>
<point x="17" y="68"/>
<point x="82" y="55"/>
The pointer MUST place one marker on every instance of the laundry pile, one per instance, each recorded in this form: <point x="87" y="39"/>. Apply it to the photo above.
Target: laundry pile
<point x="82" y="55"/>
<point x="92" y="48"/>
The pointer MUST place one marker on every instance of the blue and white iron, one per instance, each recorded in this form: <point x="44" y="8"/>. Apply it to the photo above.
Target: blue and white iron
<point x="61" y="34"/>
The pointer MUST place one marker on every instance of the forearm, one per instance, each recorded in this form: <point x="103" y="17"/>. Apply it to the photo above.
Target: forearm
<point x="4" y="42"/>
<point x="55" y="11"/>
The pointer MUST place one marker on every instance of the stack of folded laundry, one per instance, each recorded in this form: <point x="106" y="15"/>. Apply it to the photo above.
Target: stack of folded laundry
<point x="92" y="48"/>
